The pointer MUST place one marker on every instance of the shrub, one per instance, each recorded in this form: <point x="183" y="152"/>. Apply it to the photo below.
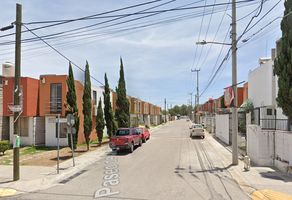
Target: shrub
<point x="4" y="145"/>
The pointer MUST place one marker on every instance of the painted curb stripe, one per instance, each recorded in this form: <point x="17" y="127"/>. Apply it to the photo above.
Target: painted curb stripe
<point x="7" y="192"/>
<point x="270" y="194"/>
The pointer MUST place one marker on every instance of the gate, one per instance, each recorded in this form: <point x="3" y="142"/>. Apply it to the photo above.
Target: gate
<point x="39" y="130"/>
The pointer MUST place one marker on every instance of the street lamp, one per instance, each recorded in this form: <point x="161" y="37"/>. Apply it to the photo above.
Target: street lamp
<point x="234" y="84"/>
<point x="204" y="42"/>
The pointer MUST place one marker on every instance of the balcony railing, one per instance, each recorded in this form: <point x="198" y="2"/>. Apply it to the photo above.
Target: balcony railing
<point x="52" y="108"/>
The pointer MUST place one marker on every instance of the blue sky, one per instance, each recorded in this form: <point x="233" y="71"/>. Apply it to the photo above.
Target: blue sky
<point x="158" y="51"/>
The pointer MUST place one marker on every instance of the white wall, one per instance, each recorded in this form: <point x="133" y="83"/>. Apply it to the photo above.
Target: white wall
<point x="222" y="127"/>
<point x="260" y="85"/>
<point x="99" y="94"/>
<point x="24" y="141"/>
<point x="51" y="139"/>
<point x="269" y="148"/>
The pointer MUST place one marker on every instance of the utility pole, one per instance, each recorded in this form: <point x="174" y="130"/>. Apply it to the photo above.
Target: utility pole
<point x="234" y="84"/>
<point x="17" y="91"/>
<point x="197" y="115"/>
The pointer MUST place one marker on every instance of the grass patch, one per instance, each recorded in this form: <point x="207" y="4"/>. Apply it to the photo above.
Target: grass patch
<point x="142" y="124"/>
<point x="243" y="148"/>
<point x="35" y="149"/>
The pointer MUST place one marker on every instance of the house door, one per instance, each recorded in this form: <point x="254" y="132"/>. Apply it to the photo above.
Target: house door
<point x="39" y="127"/>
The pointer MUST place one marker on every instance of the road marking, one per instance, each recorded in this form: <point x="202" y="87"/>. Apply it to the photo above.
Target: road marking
<point x="269" y="194"/>
<point x="170" y="138"/>
<point x="7" y="192"/>
<point x="110" y="179"/>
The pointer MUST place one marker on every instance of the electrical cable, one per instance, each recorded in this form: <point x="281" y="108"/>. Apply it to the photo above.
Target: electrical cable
<point x="61" y="54"/>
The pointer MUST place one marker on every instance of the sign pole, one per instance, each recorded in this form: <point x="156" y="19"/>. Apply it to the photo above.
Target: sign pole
<point x="72" y="139"/>
<point x="58" y="143"/>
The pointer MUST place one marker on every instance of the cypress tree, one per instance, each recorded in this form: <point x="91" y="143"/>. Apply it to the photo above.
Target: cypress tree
<point x="99" y="122"/>
<point x="71" y="106"/>
<point x="108" y="111"/>
<point x="283" y="64"/>
<point x="87" y="106"/>
<point x="122" y="112"/>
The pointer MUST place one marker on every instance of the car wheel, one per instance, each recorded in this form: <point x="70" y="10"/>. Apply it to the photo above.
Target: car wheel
<point x="203" y="137"/>
<point x="144" y="139"/>
<point x="149" y="137"/>
<point x="140" y="143"/>
<point x="131" y="148"/>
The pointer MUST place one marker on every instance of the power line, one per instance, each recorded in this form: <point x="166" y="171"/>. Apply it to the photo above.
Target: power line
<point x="61" y="54"/>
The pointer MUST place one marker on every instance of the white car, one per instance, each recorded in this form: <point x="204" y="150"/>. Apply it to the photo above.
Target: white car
<point x="197" y="130"/>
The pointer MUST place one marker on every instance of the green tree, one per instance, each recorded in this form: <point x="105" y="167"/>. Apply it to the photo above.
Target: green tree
<point x="108" y="111"/>
<point x="222" y="102"/>
<point x="283" y="64"/>
<point x="87" y="106"/>
<point x="246" y="107"/>
<point x="99" y="122"/>
<point x="177" y="110"/>
<point x="184" y="110"/>
<point x="122" y="112"/>
<point x="71" y="106"/>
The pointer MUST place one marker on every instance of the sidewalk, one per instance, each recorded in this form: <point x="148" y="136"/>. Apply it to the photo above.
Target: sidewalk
<point x="258" y="182"/>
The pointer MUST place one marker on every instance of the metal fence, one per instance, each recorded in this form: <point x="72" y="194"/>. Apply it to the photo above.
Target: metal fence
<point x="275" y="124"/>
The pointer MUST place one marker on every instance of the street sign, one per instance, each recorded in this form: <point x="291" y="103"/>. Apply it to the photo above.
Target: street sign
<point x="15" y="108"/>
<point x="55" y="120"/>
<point x="73" y="130"/>
<point x="70" y="120"/>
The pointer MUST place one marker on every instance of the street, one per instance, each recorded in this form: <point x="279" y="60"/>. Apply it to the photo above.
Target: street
<point x="170" y="165"/>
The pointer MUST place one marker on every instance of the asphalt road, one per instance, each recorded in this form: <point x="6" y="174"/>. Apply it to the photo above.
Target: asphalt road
<point x="170" y="165"/>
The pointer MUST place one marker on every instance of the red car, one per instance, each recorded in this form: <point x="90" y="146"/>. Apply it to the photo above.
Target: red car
<point x="144" y="132"/>
<point x="125" y="138"/>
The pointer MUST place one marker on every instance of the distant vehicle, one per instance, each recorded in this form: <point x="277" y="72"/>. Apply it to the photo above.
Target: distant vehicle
<point x="144" y="132"/>
<point x="197" y="130"/>
<point x="187" y="119"/>
<point x="178" y="117"/>
<point x="125" y="138"/>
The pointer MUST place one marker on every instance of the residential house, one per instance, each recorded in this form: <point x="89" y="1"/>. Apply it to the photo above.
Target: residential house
<point x="263" y="89"/>
<point x="31" y="125"/>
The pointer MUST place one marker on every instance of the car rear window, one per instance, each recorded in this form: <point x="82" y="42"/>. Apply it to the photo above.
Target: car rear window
<point x="140" y="130"/>
<point x="198" y="126"/>
<point x="123" y="132"/>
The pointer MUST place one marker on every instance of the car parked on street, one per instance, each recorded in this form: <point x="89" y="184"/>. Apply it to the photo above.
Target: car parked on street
<point x="197" y="130"/>
<point x="125" y="138"/>
<point x="144" y="132"/>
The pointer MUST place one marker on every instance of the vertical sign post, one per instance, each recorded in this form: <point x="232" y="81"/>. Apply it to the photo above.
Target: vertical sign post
<point x="70" y="123"/>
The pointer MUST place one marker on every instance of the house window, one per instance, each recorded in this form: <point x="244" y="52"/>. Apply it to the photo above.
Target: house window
<point x="24" y="126"/>
<point x="269" y="111"/>
<point x="56" y="98"/>
<point x="63" y="130"/>
<point x="94" y="98"/>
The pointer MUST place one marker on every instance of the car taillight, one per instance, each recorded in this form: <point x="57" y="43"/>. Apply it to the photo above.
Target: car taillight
<point x="126" y="140"/>
<point x="193" y="130"/>
<point x="203" y="130"/>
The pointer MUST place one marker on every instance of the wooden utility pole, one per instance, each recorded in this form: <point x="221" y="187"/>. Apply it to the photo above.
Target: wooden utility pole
<point x="17" y="91"/>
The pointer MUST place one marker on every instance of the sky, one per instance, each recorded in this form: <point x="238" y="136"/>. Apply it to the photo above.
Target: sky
<point x="156" y="41"/>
